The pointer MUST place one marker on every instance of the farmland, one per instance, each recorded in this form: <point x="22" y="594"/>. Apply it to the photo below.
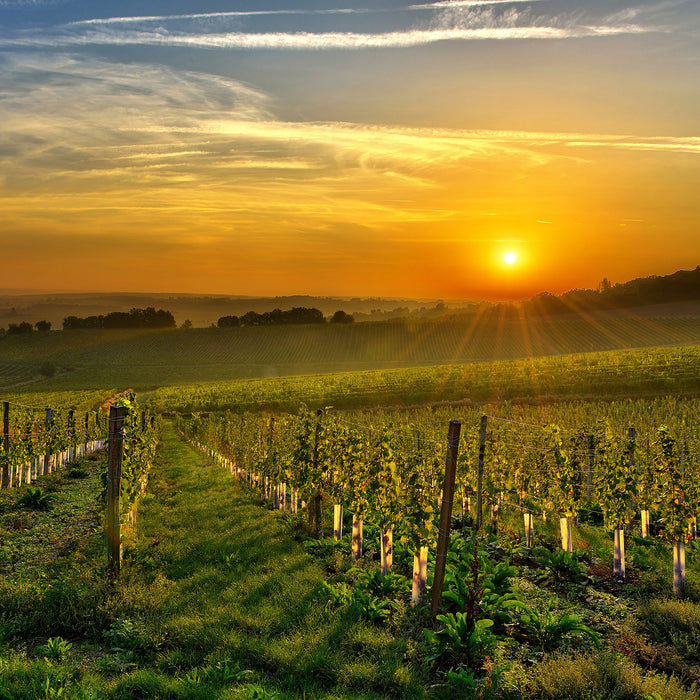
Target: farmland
<point x="142" y="359"/>
<point x="224" y="595"/>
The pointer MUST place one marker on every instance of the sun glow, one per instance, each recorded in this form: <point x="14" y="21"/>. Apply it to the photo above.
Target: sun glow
<point x="510" y="257"/>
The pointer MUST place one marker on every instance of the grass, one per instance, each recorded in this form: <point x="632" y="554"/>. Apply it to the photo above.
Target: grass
<point x="215" y="600"/>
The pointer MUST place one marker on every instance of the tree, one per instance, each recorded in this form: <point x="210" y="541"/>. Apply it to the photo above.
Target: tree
<point x="341" y="317"/>
<point x="186" y="323"/>
<point x="17" y="328"/>
<point x="228" y="322"/>
<point x="43" y="325"/>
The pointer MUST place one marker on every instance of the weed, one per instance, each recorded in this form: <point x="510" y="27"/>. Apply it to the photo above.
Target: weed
<point x="36" y="499"/>
<point x="560" y="566"/>
<point x="461" y="640"/>
<point x="549" y="631"/>
<point x="55" y="649"/>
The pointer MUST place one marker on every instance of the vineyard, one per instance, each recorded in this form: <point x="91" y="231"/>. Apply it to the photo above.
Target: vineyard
<point x="510" y="529"/>
<point x="651" y="372"/>
<point x="617" y="462"/>
<point x="145" y="359"/>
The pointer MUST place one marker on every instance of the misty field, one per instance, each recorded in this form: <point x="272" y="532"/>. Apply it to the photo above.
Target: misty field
<point x="142" y="359"/>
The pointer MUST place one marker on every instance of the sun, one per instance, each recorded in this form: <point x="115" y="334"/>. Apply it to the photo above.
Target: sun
<point x="510" y="257"/>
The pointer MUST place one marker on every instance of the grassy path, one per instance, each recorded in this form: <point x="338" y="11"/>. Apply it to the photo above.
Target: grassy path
<point x="218" y="593"/>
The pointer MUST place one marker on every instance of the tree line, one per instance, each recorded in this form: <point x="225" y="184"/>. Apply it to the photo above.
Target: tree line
<point x="136" y="318"/>
<point x="277" y="317"/>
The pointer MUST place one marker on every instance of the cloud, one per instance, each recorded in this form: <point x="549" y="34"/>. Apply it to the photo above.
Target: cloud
<point x="324" y="40"/>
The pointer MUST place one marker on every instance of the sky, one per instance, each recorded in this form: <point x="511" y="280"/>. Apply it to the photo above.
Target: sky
<point x="350" y="148"/>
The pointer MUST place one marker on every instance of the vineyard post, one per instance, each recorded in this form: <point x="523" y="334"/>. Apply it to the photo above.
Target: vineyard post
<point x="640" y="486"/>
<point x="529" y="533"/>
<point x="114" y="473"/>
<point x="87" y="430"/>
<point x="386" y="554"/>
<point x="565" y="528"/>
<point x="338" y="521"/>
<point x="71" y="425"/>
<point x="316" y="512"/>
<point x="678" y="567"/>
<point x="619" y="542"/>
<point x="589" y="467"/>
<point x="6" y="473"/>
<point x="446" y="512"/>
<point x="480" y="470"/>
<point x="47" y="457"/>
<point x="356" y="537"/>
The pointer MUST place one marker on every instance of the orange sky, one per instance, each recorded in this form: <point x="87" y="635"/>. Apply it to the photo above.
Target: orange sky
<point x="391" y="171"/>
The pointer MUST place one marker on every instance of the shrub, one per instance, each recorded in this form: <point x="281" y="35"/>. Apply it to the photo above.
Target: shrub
<point x="594" y="676"/>
<point x="674" y="622"/>
<point x="47" y="369"/>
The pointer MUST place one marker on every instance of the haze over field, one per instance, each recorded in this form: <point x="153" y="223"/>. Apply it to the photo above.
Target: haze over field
<point x="385" y="148"/>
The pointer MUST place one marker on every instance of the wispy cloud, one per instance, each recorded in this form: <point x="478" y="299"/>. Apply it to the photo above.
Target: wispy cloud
<point x="447" y="21"/>
<point x="445" y="4"/>
<point x="322" y="41"/>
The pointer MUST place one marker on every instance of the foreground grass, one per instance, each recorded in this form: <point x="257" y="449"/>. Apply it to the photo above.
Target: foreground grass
<point x="216" y="600"/>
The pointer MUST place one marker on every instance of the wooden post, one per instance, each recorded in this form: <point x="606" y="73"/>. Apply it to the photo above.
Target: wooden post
<point x="114" y="477"/>
<point x="356" y="537"/>
<point x="589" y="468"/>
<point x="47" y="457"/>
<point x="387" y="549"/>
<point x="420" y="574"/>
<point x="529" y="532"/>
<point x="645" y="523"/>
<point x="338" y="521"/>
<point x="678" y="568"/>
<point x="87" y="430"/>
<point x="446" y="512"/>
<point x="480" y="471"/>
<point x="72" y="449"/>
<point x="316" y="510"/>
<point x="6" y="470"/>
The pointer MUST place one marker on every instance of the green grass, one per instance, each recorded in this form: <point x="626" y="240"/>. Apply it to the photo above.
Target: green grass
<point x="144" y="359"/>
<point x="215" y="599"/>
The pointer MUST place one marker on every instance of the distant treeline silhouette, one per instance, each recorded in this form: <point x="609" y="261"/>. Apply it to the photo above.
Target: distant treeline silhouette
<point x="683" y="285"/>
<point x="136" y="318"/>
<point x="277" y="317"/>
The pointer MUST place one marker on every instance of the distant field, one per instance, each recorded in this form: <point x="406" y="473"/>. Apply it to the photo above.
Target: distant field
<point x="623" y="373"/>
<point x="145" y="359"/>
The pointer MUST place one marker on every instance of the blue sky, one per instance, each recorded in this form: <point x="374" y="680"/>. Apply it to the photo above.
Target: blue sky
<point x="312" y="147"/>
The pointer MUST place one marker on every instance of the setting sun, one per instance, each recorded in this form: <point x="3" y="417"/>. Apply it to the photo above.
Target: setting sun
<point x="510" y="257"/>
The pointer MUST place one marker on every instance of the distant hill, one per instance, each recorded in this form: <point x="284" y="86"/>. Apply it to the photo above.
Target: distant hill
<point x="679" y="293"/>
<point x="681" y="286"/>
